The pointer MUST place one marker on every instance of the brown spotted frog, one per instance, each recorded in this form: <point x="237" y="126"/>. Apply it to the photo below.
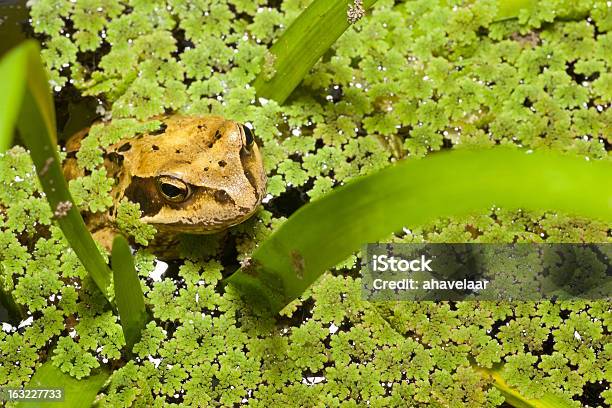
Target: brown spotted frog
<point x="196" y="175"/>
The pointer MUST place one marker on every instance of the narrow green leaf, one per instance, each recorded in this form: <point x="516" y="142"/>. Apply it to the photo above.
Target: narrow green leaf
<point x="11" y="95"/>
<point x="77" y="393"/>
<point x="35" y="117"/>
<point x="301" y="46"/>
<point x="128" y="293"/>
<point x="410" y="193"/>
<point x="514" y="398"/>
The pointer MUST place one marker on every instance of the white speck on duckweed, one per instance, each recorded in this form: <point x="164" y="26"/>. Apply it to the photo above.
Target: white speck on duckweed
<point x="160" y="268"/>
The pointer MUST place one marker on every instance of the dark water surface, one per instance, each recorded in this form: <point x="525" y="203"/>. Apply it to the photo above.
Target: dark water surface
<point x="13" y="23"/>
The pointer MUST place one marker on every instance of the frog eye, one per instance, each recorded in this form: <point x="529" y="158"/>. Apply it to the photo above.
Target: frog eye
<point x="248" y="135"/>
<point x="173" y="189"/>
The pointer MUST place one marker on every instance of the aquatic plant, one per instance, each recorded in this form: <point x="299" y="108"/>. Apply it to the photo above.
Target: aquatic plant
<point x="540" y="81"/>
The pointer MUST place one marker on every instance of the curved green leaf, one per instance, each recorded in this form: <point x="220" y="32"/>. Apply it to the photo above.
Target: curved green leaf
<point x="301" y="46"/>
<point x="410" y="193"/>
<point x="29" y="105"/>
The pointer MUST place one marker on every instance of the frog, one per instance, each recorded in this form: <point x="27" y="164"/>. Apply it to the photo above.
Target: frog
<point x="195" y="175"/>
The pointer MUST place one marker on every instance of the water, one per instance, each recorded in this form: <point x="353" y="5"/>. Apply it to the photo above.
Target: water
<point x="13" y="23"/>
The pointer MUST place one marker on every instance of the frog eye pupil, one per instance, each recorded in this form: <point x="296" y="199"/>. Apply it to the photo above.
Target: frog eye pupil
<point x="170" y="190"/>
<point x="248" y="135"/>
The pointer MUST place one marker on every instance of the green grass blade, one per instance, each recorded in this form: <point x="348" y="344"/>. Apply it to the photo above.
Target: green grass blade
<point x="11" y="95"/>
<point x="77" y="393"/>
<point x="301" y="46"/>
<point x="36" y="123"/>
<point x="514" y="398"/>
<point x="412" y="192"/>
<point x="128" y="293"/>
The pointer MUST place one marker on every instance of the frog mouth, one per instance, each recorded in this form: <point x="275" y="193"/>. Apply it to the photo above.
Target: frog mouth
<point x="210" y="226"/>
